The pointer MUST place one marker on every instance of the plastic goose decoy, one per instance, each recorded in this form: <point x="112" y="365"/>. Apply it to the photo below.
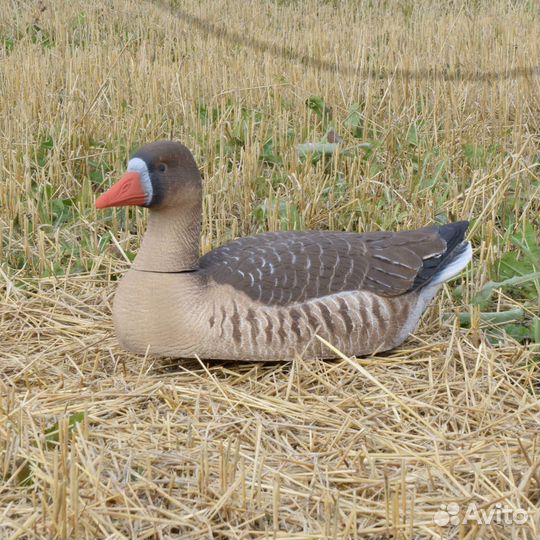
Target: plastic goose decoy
<point x="266" y="297"/>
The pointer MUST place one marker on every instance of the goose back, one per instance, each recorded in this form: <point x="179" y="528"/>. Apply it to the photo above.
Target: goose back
<point x="290" y="267"/>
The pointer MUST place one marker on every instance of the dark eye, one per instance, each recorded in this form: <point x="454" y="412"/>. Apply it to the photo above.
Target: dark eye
<point x="162" y="167"/>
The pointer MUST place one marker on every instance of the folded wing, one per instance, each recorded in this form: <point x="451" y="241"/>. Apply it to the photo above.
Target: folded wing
<point x="290" y="267"/>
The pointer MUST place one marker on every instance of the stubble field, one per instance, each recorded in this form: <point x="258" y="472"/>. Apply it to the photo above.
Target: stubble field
<point x="438" y="107"/>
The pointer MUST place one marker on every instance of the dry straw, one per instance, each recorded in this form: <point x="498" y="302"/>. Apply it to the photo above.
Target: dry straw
<point x="98" y="443"/>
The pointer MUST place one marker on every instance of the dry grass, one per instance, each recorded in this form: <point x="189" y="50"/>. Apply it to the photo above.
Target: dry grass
<point x="98" y="443"/>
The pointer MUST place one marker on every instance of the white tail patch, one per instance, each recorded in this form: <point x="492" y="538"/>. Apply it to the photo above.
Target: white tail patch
<point x="454" y="267"/>
<point x="426" y="294"/>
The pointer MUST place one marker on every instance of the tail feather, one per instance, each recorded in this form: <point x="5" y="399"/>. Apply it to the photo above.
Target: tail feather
<point x="455" y="257"/>
<point x="460" y="258"/>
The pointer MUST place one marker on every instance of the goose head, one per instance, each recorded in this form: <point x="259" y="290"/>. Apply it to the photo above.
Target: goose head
<point x="163" y="177"/>
<point x="159" y="176"/>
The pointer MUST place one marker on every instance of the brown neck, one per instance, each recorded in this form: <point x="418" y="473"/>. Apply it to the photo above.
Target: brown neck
<point x="171" y="242"/>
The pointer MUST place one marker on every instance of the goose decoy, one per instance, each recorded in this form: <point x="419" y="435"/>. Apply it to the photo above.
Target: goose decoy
<point x="266" y="297"/>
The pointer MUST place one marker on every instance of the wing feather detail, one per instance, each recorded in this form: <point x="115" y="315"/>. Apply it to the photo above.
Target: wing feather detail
<point x="294" y="267"/>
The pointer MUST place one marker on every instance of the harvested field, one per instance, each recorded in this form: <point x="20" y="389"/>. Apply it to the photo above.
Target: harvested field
<point x="438" y="107"/>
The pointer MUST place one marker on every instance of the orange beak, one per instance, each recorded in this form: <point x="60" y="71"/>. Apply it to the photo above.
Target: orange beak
<point x="127" y="191"/>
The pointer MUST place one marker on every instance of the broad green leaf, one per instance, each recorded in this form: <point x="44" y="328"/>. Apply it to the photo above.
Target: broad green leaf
<point x="289" y="217"/>
<point x="491" y="317"/>
<point x="319" y="107"/>
<point x="535" y="327"/>
<point x="268" y="155"/>
<point x="528" y="243"/>
<point x="52" y="436"/>
<point x="412" y="135"/>
<point x="428" y="183"/>
<point x="326" y="149"/>
<point x="355" y="121"/>
<point x="524" y="263"/>
<point x="484" y="295"/>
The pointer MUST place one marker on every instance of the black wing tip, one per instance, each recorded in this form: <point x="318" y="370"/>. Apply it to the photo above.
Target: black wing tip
<point x="453" y="233"/>
<point x="454" y="236"/>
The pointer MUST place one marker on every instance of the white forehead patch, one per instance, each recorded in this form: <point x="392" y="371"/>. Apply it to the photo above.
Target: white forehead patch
<point x="138" y="165"/>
